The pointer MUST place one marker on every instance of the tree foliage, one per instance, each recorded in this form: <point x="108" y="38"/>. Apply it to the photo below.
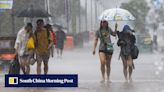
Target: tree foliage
<point x="139" y="8"/>
<point x="57" y="9"/>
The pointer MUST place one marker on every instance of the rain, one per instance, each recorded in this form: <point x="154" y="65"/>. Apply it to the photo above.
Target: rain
<point x="80" y="19"/>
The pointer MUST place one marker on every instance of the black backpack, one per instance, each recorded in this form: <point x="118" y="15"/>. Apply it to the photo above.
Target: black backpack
<point x="134" y="52"/>
<point x="14" y="66"/>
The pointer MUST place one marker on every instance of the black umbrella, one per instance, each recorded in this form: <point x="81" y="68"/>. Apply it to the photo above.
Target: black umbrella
<point x="58" y="26"/>
<point x="33" y="13"/>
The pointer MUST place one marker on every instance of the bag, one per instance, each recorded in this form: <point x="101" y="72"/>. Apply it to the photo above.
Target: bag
<point x="14" y="66"/>
<point x="30" y="43"/>
<point x="109" y="47"/>
<point x="32" y="61"/>
<point x="53" y="37"/>
<point x="134" y="52"/>
<point x="31" y="58"/>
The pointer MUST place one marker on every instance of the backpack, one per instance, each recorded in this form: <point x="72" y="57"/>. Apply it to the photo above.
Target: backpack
<point x="53" y="37"/>
<point x="134" y="52"/>
<point x="30" y="43"/>
<point x="48" y="38"/>
<point x="14" y="66"/>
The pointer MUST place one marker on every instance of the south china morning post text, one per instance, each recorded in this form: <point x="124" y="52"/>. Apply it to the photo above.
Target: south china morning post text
<point x="41" y="80"/>
<point x="35" y="80"/>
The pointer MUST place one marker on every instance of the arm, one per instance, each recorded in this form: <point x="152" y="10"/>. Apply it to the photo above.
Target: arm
<point x="120" y="39"/>
<point x="133" y="39"/>
<point x="17" y="42"/>
<point x="115" y="31"/>
<point x="95" y="45"/>
<point x="51" y="40"/>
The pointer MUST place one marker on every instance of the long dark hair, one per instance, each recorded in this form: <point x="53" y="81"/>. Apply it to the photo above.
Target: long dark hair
<point x="101" y="23"/>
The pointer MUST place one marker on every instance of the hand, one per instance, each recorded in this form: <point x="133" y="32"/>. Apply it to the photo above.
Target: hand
<point x="15" y="51"/>
<point x="49" y="47"/>
<point x="94" y="52"/>
<point x="116" y="25"/>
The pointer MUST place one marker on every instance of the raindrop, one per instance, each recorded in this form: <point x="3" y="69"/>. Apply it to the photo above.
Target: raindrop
<point x="161" y="63"/>
<point x="157" y="72"/>
<point x="160" y="68"/>
<point x="156" y="63"/>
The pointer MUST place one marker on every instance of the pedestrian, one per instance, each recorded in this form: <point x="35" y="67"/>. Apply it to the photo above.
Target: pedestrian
<point x="60" y="39"/>
<point x="52" y="39"/>
<point x="105" y="48"/>
<point x="126" y="42"/>
<point x="21" y="50"/>
<point x="42" y="45"/>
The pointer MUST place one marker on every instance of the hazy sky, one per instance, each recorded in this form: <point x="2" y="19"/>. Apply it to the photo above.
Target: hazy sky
<point x="113" y="3"/>
<point x="107" y="3"/>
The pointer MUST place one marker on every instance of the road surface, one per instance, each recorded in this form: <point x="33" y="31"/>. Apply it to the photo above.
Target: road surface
<point x="147" y="77"/>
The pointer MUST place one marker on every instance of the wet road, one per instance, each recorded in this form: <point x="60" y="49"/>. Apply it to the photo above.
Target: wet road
<point x="147" y="77"/>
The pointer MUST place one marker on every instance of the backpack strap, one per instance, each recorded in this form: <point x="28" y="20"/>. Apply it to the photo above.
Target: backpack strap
<point x="36" y="43"/>
<point x="101" y="37"/>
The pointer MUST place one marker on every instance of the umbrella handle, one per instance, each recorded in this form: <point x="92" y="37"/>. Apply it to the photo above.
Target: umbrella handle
<point x="116" y="26"/>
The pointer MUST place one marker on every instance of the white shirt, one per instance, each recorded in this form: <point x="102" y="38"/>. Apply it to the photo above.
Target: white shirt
<point x="21" y="40"/>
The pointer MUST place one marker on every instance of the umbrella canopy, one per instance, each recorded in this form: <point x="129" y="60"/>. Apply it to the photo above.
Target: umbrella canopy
<point x="58" y="26"/>
<point x="33" y="13"/>
<point x="117" y="14"/>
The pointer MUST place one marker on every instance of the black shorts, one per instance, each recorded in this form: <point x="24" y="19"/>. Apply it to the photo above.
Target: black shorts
<point x="103" y="51"/>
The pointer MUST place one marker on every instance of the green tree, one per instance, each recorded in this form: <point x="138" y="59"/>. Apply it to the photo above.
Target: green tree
<point x="139" y="8"/>
<point x="6" y="17"/>
<point x="160" y="13"/>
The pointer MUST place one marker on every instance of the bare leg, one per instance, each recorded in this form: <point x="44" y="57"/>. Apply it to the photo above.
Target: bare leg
<point x="103" y="71"/>
<point x="61" y="52"/>
<point x="130" y="65"/>
<point x="57" y="52"/>
<point x="125" y="68"/>
<point x="45" y="67"/>
<point x="39" y="67"/>
<point x="27" y="69"/>
<point x="22" y="65"/>
<point x="52" y="51"/>
<point x="130" y="73"/>
<point x="27" y="65"/>
<point x="23" y="69"/>
<point x="103" y="62"/>
<point x="108" y="65"/>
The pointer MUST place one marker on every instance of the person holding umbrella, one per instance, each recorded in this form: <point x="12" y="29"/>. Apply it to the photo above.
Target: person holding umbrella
<point x="105" y="48"/>
<point x="42" y="46"/>
<point x="21" y="50"/>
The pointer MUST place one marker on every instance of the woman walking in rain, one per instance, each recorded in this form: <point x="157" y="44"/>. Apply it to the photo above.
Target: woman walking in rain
<point x="126" y="42"/>
<point x="60" y="38"/>
<point x="105" y="48"/>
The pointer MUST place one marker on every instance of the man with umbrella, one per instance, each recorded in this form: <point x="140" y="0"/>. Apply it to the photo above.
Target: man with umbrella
<point x="41" y="37"/>
<point x="21" y="50"/>
<point x="42" y="46"/>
